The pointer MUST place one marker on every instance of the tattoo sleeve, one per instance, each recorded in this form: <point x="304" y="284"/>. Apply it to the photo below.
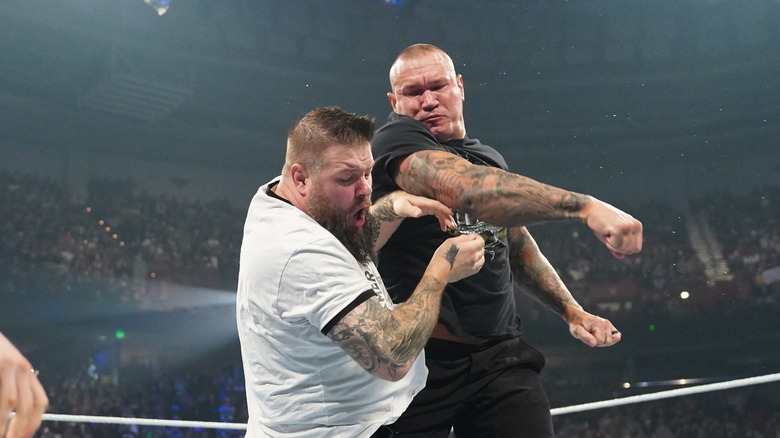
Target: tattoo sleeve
<point x="534" y="273"/>
<point x="491" y="194"/>
<point x="386" y="342"/>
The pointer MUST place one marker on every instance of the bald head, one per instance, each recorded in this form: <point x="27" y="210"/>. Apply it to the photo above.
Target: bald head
<point x="416" y="52"/>
<point x="425" y="87"/>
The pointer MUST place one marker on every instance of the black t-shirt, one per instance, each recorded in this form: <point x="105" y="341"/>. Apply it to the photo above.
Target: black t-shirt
<point x="480" y="305"/>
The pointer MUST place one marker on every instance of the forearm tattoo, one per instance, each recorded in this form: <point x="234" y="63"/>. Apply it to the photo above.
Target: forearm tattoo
<point x="489" y="193"/>
<point x="533" y="271"/>
<point x="381" y="211"/>
<point x="384" y="341"/>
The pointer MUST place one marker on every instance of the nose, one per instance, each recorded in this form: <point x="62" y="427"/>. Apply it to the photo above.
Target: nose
<point x="363" y="188"/>
<point x="429" y="100"/>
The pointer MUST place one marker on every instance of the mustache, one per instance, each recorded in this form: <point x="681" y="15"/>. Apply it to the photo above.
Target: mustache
<point x="366" y="203"/>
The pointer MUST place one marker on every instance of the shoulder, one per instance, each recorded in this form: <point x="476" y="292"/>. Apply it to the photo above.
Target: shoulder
<point x="402" y="132"/>
<point x="486" y="153"/>
<point x="398" y="122"/>
<point x="273" y="223"/>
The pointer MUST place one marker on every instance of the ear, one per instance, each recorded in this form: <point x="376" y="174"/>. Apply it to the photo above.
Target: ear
<point x="391" y="98"/>
<point x="300" y="178"/>
<point x="459" y="80"/>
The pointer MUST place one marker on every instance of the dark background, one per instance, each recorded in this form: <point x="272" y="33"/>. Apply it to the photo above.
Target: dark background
<point x="621" y="99"/>
<point x="628" y="100"/>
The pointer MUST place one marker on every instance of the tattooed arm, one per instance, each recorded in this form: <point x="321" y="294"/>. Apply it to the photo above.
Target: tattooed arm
<point x="386" y="342"/>
<point x="536" y="277"/>
<point x="389" y="210"/>
<point x="507" y="199"/>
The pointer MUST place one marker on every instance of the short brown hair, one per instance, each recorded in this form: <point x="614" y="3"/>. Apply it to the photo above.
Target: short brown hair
<point x="321" y="128"/>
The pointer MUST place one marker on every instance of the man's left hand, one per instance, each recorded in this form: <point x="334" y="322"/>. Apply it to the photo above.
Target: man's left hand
<point x="408" y="205"/>
<point x="593" y="330"/>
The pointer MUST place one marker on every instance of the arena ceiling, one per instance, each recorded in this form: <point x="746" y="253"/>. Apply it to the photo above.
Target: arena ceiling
<point x="219" y="83"/>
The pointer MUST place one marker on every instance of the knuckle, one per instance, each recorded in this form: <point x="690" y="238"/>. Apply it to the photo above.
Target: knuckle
<point x="8" y="400"/>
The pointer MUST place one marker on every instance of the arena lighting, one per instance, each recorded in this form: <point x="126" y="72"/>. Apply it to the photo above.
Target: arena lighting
<point x="677" y="382"/>
<point x="184" y="324"/>
<point x="159" y="6"/>
<point x="178" y="297"/>
<point x="170" y="298"/>
<point x="402" y="7"/>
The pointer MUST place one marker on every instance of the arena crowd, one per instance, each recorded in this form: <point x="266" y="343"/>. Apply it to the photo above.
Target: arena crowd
<point x="116" y="245"/>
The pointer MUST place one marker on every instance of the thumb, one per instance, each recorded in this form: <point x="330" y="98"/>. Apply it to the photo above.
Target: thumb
<point x="618" y="255"/>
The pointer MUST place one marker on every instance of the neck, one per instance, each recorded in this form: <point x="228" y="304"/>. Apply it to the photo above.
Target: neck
<point x="285" y="190"/>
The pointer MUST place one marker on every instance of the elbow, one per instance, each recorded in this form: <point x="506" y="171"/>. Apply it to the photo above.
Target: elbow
<point x="474" y="202"/>
<point x="474" y="191"/>
<point x="394" y="374"/>
<point x="397" y="377"/>
<point x="467" y="202"/>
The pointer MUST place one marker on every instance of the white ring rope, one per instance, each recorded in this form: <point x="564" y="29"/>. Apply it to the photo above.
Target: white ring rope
<point x="736" y="383"/>
<point x="142" y="421"/>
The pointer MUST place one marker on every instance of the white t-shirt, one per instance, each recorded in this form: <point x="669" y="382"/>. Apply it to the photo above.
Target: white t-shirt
<point x="295" y="278"/>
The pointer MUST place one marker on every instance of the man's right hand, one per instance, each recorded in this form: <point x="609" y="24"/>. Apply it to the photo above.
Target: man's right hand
<point x="619" y="231"/>
<point x="21" y="392"/>
<point x="465" y="254"/>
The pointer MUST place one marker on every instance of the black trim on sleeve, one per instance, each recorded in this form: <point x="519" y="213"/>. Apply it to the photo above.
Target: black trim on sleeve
<point x="358" y="301"/>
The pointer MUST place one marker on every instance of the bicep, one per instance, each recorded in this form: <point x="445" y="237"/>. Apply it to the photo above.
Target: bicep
<point x="520" y="242"/>
<point x="434" y="174"/>
<point x="526" y="258"/>
<point x="532" y="269"/>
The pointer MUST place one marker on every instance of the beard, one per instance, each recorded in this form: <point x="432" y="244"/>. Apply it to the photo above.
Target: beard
<point x="359" y="241"/>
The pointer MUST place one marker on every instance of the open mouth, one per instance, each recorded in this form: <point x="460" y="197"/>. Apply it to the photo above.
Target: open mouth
<point x="359" y="218"/>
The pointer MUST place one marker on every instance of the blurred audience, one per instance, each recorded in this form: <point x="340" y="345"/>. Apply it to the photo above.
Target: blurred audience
<point x="148" y="390"/>
<point x="115" y="242"/>
<point x="734" y="413"/>
<point x="120" y="246"/>
<point x="112" y="244"/>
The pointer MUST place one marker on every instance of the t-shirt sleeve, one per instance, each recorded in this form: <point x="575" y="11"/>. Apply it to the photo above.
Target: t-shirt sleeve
<point x="320" y="284"/>
<point x="398" y="138"/>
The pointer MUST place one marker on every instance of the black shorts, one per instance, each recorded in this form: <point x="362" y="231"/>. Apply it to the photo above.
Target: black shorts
<point x="486" y="391"/>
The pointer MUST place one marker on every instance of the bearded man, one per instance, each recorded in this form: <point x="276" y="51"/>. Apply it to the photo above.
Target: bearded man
<point x="325" y="351"/>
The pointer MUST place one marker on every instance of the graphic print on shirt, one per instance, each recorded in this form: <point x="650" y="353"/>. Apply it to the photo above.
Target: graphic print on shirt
<point x="372" y="275"/>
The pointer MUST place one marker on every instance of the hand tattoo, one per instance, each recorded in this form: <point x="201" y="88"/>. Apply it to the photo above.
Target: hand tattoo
<point x="452" y="253"/>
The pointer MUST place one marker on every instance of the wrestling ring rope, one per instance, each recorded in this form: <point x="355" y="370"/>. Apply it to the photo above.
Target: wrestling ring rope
<point x="719" y="386"/>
